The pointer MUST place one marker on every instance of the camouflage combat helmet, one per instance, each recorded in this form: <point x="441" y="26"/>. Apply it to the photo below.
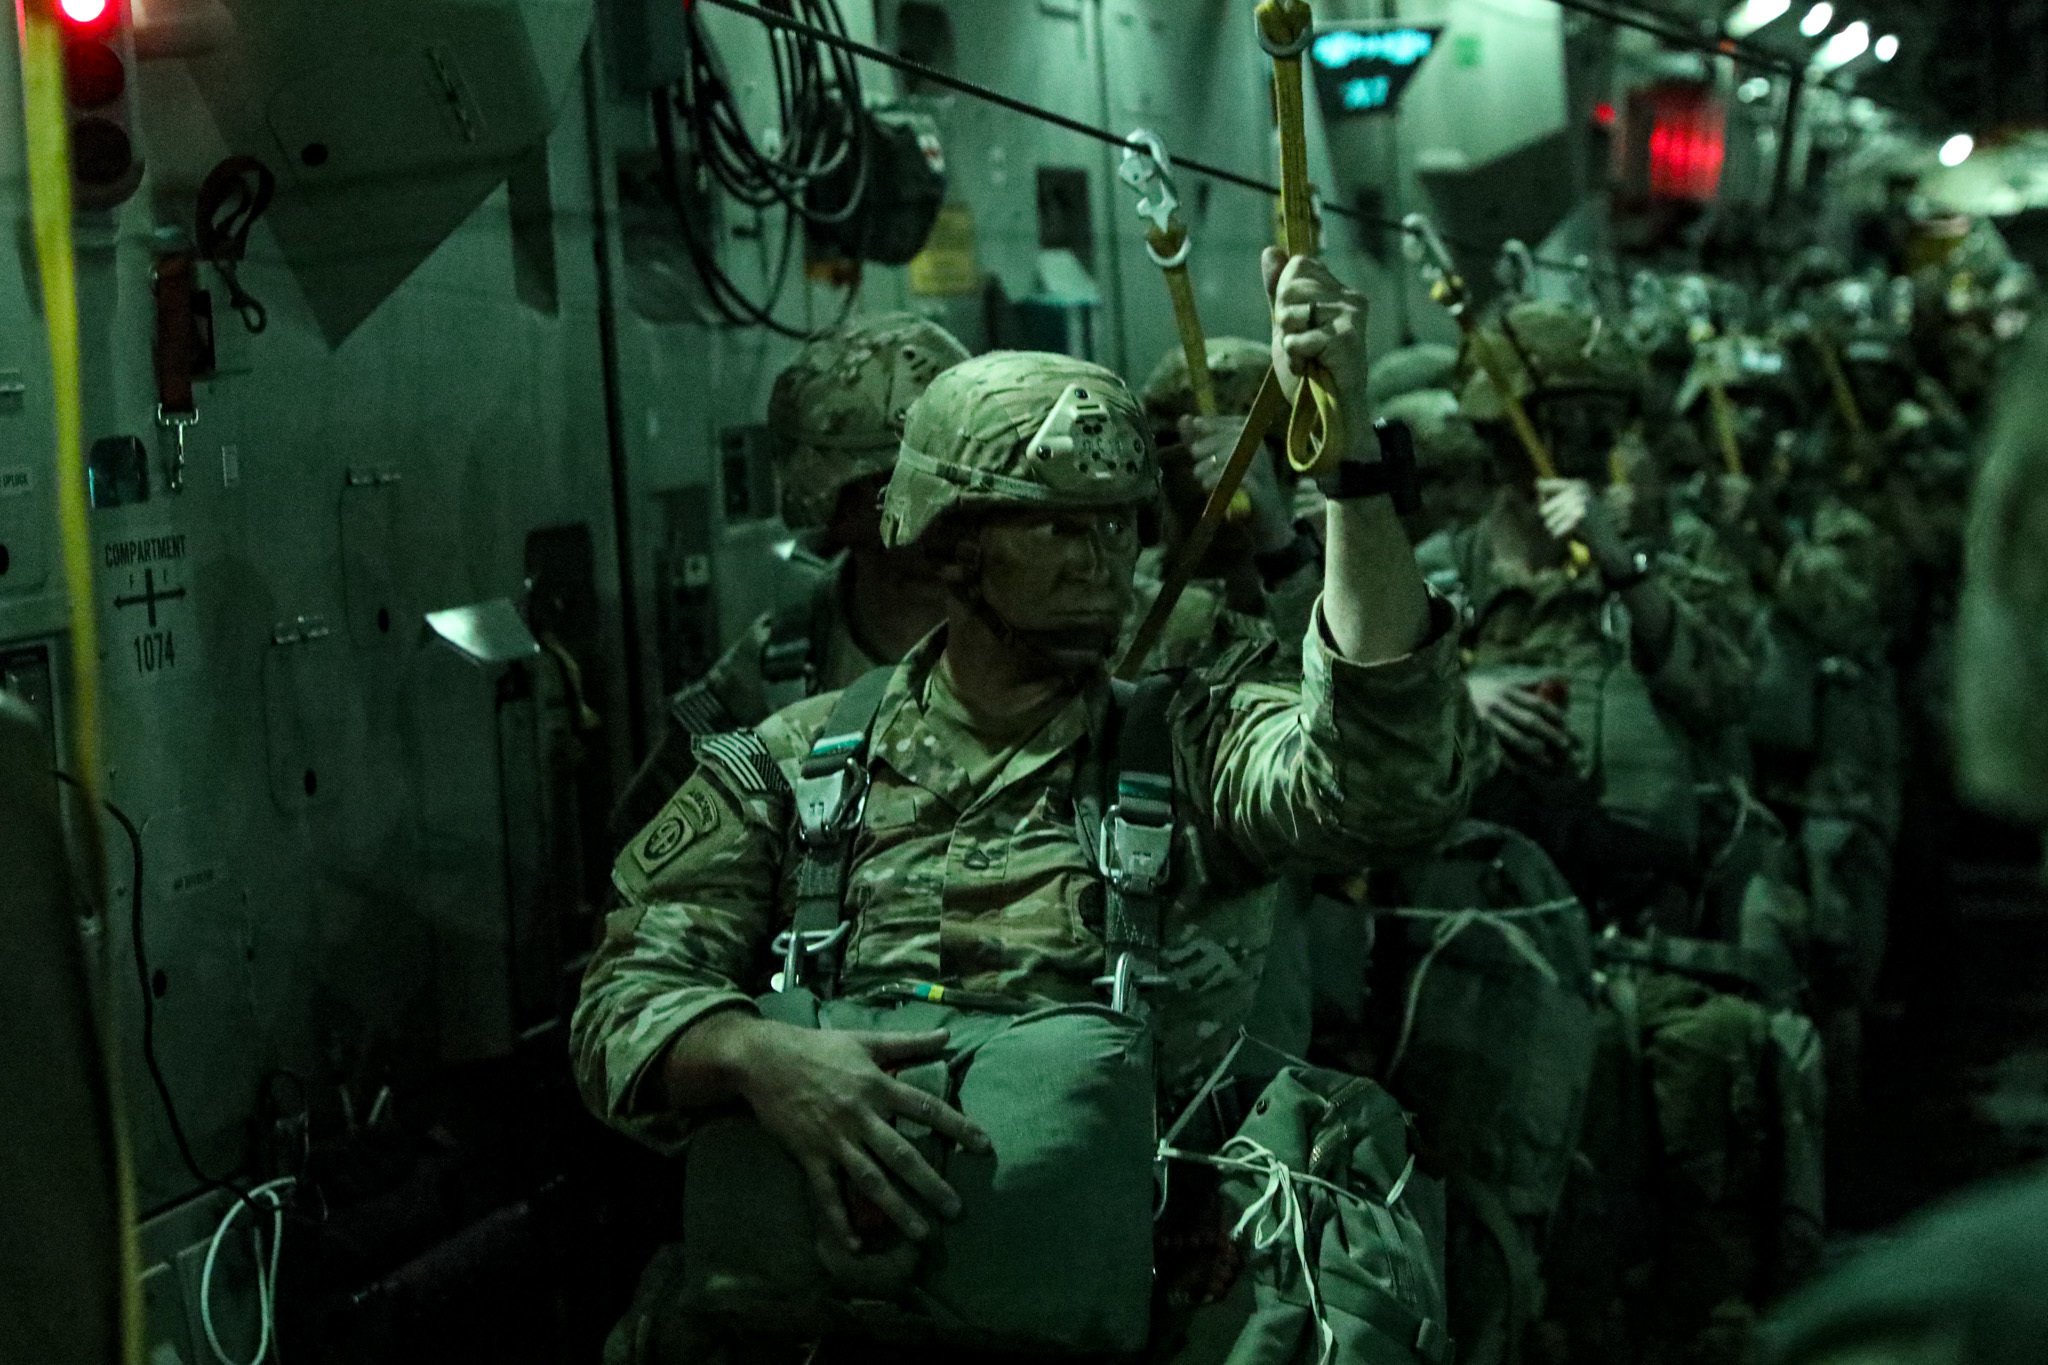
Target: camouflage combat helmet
<point x="1018" y="429"/>
<point x="1235" y="368"/>
<point x="836" y="414"/>
<point x="1550" y="349"/>
<point x="1445" y="440"/>
<point x="1426" y="365"/>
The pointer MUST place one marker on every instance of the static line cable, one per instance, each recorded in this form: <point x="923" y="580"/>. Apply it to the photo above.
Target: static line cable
<point x="1074" y="125"/>
<point x="46" y="161"/>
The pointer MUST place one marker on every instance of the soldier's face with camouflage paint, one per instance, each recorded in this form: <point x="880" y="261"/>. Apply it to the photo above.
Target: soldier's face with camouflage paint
<point x="1062" y="579"/>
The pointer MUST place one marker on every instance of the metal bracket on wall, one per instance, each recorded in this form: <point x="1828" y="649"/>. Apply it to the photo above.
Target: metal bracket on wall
<point x="298" y="711"/>
<point x="370" y="555"/>
<point x="300" y="630"/>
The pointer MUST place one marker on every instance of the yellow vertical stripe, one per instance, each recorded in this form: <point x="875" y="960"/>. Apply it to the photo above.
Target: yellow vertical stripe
<point x="49" y="184"/>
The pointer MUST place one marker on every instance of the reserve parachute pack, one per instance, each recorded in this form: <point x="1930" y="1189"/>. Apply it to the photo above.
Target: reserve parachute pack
<point x="1054" y="1253"/>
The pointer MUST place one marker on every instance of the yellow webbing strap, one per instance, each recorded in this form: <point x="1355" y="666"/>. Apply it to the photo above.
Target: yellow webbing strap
<point x="1187" y="321"/>
<point x="1845" y="399"/>
<point x="49" y="184"/>
<point x="1450" y="290"/>
<point x="1715" y="355"/>
<point x="1194" y="342"/>
<point x="1267" y="408"/>
<point x="1315" y="428"/>
<point x="1724" y="426"/>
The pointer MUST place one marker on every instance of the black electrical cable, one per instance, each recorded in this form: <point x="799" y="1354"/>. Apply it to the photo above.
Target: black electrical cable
<point x="824" y="132"/>
<point x="725" y="294"/>
<point x="1074" y="125"/>
<point x="142" y="975"/>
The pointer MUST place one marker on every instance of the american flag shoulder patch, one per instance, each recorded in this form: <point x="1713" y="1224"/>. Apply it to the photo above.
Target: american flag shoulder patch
<point x="743" y="760"/>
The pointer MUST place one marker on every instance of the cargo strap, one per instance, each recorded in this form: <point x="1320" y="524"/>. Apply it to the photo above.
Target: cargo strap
<point x="1134" y="847"/>
<point x="831" y="793"/>
<point x="231" y="198"/>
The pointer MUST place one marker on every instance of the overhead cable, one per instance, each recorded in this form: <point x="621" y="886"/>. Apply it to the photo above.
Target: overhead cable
<point x="1074" y="125"/>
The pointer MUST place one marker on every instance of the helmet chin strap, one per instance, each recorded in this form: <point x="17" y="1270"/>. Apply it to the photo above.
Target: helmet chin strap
<point x="1061" y="651"/>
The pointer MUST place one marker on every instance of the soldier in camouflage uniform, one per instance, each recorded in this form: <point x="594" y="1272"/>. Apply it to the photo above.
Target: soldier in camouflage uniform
<point x="835" y="417"/>
<point x="1021" y="475"/>
<point x="1619" y="627"/>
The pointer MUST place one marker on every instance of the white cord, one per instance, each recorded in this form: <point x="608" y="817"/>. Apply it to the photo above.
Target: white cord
<point x="266" y="1279"/>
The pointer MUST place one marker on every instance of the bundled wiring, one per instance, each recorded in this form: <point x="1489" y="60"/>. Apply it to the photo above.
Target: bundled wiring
<point x="816" y="172"/>
<point x="266" y="1271"/>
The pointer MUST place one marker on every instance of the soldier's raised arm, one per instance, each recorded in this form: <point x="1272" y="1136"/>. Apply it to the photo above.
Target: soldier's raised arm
<point x="1372" y="754"/>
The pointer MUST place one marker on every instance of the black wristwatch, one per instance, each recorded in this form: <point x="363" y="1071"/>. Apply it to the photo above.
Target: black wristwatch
<point x="1391" y="475"/>
<point x="1638" y="574"/>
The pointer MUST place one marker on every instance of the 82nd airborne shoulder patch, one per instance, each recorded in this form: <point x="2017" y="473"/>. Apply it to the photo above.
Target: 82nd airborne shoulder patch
<point x="690" y="814"/>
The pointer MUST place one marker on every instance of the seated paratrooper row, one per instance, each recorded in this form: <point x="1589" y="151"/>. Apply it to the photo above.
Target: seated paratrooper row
<point x="1962" y="1284"/>
<point x="1010" y="913"/>
<point x="1613" y="683"/>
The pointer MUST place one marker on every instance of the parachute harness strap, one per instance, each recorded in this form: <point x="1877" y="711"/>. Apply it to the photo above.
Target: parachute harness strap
<point x="1315" y="427"/>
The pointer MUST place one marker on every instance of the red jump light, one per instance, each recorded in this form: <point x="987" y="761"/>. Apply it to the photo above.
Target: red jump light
<point x="84" y="11"/>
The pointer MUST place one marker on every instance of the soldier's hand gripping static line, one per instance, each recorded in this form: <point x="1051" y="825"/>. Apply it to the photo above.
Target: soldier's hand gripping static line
<point x="1375" y="606"/>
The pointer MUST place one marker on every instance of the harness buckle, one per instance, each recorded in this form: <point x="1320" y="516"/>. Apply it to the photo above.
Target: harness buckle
<point x="798" y="949"/>
<point x="830" y="796"/>
<point x="1135" y="848"/>
<point x="1125" y="981"/>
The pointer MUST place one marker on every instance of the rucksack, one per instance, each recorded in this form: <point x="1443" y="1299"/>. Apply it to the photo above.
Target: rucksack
<point x="1699" y="1196"/>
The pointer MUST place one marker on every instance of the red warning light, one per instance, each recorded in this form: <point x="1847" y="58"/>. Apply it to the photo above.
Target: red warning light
<point x="84" y="11"/>
<point x="1603" y="114"/>
<point x="1687" y="144"/>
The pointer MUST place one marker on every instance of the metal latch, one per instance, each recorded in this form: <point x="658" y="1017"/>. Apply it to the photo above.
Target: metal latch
<point x="1124" y="982"/>
<point x="1135" y="849"/>
<point x="798" y="949"/>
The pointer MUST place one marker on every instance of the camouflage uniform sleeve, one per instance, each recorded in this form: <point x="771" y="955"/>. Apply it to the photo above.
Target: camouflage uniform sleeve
<point x="1355" y="763"/>
<point x="1706" y="675"/>
<point x="698" y="908"/>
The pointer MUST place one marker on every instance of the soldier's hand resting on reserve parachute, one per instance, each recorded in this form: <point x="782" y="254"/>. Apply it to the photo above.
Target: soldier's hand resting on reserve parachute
<point x="825" y="1097"/>
<point x="1529" y="726"/>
